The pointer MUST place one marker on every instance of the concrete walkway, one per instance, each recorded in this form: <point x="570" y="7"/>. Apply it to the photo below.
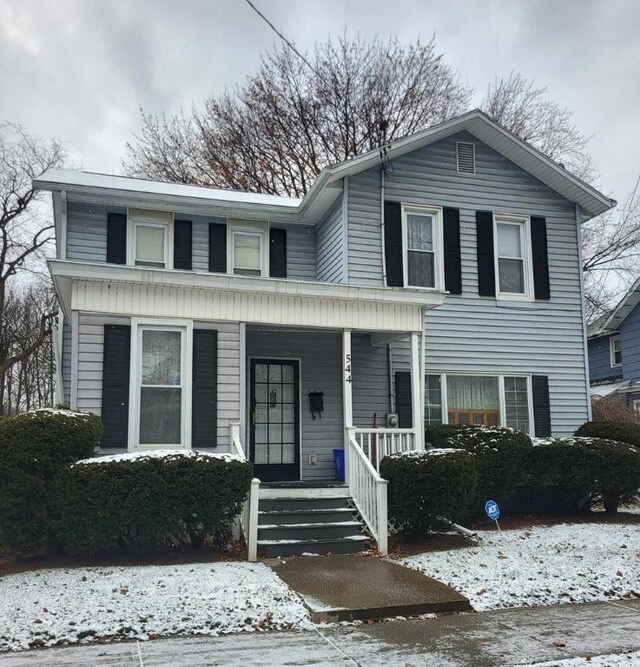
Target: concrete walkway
<point x="509" y="637"/>
<point x="348" y="588"/>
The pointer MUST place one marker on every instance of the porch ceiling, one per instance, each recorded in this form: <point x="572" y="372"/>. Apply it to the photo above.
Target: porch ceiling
<point x="158" y="293"/>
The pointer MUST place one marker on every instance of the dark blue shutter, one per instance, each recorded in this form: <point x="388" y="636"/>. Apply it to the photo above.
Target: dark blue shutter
<point x="484" y="247"/>
<point x="393" y="252"/>
<point x="115" y="385"/>
<point x="116" y="238"/>
<point x="541" y="407"/>
<point x="278" y="253"/>
<point x="451" y="245"/>
<point x="403" y="399"/>
<point x="217" y="247"/>
<point x="204" y="397"/>
<point x="540" y="258"/>
<point x="182" y="244"/>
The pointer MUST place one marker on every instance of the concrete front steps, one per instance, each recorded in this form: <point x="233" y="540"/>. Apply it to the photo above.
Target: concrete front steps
<point x="293" y="520"/>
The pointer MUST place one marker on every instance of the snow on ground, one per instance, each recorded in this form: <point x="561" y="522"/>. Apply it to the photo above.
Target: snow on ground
<point x="60" y="606"/>
<point x="613" y="660"/>
<point x="541" y="566"/>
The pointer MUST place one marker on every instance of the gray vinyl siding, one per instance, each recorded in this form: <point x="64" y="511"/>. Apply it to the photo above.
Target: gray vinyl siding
<point x="320" y="370"/>
<point x="370" y="372"/>
<point x="66" y="363"/>
<point x="301" y="252"/>
<point x="200" y="239"/>
<point x="600" y="367"/>
<point x="330" y="252"/>
<point x="469" y="333"/>
<point x="87" y="231"/>
<point x="90" y="357"/>
<point x="630" y="340"/>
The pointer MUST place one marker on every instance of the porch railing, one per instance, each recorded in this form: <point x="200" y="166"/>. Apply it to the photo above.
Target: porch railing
<point x="377" y="443"/>
<point x="368" y="490"/>
<point x="249" y="513"/>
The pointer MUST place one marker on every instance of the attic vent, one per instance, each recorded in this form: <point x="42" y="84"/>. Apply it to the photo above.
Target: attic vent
<point x="466" y="156"/>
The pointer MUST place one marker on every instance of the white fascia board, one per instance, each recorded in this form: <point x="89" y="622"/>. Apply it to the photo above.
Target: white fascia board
<point x="624" y="308"/>
<point x="111" y="273"/>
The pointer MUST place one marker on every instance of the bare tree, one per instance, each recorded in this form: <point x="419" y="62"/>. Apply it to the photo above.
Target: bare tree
<point x="275" y="133"/>
<point x="24" y="235"/>
<point x="611" y="254"/>
<point x="526" y="110"/>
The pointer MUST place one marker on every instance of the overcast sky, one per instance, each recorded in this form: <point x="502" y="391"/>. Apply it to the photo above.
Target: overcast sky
<point x="80" y="70"/>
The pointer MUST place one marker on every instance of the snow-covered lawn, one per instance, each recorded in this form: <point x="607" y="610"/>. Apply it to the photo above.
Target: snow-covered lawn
<point x="60" y="606"/>
<point x="614" y="660"/>
<point x="541" y="566"/>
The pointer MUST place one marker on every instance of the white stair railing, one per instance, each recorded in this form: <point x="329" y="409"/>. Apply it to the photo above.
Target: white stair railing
<point x="377" y="443"/>
<point x="369" y="492"/>
<point x="249" y="513"/>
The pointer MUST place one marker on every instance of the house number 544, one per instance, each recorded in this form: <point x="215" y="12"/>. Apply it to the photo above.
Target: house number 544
<point x="347" y="368"/>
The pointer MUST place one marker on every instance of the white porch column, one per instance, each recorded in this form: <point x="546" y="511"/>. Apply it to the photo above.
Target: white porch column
<point x="347" y="380"/>
<point x="416" y="392"/>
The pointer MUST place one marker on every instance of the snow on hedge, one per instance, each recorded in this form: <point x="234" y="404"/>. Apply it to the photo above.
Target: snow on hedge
<point x="71" y="606"/>
<point x="432" y="451"/>
<point x="541" y="566"/>
<point x="160" y="454"/>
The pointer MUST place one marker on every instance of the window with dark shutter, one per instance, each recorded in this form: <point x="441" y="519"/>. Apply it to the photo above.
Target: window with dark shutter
<point x="116" y="238"/>
<point x="484" y="247"/>
<point x="217" y="247"/>
<point x="115" y="385"/>
<point x="393" y="244"/>
<point x="204" y="399"/>
<point x="541" y="407"/>
<point x="451" y="244"/>
<point x="182" y="244"/>
<point x="278" y="253"/>
<point x="540" y="258"/>
<point x="403" y="399"/>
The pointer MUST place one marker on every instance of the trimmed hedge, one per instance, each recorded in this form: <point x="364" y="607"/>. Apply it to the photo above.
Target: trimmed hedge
<point x="500" y="456"/>
<point x="36" y="449"/>
<point x="139" y="502"/>
<point x="424" y="485"/>
<point x="608" y="430"/>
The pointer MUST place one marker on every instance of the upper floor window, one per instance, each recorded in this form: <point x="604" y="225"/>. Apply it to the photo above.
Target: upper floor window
<point x="422" y="244"/>
<point x="615" y="349"/>
<point x="247" y="253"/>
<point x="150" y="242"/>
<point x="512" y="257"/>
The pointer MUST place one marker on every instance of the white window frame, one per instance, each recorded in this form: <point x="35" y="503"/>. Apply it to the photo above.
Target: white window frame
<point x="438" y="251"/>
<point x="444" y="400"/>
<point x="612" y="351"/>
<point x="185" y="327"/>
<point x="525" y="240"/>
<point x="248" y="228"/>
<point x="146" y="218"/>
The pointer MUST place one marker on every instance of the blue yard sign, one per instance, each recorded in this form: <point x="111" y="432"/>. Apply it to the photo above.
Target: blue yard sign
<point x="492" y="510"/>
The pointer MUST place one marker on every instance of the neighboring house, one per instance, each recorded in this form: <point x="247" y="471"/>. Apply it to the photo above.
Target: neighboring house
<point x="287" y="328"/>
<point x="614" y="351"/>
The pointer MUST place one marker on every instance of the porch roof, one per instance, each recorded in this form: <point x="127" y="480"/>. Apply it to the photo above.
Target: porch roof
<point x="160" y="293"/>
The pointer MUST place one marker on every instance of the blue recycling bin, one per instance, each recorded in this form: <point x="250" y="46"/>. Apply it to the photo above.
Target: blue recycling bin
<point x="338" y="464"/>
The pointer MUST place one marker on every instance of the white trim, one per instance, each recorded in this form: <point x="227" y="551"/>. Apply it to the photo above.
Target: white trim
<point x="347" y="381"/>
<point x="63" y="224"/>
<point x="416" y="393"/>
<point x="75" y="361"/>
<point x="58" y="352"/>
<point x="612" y="356"/>
<point x="148" y="218"/>
<point x="523" y="223"/>
<point x="501" y="393"/>
<point x="185" y="327"/>
<point x="248" y="227"/>
<point x="242" y="335"/>
<point x="247" y="400"/>
<point x="435" y="212"/>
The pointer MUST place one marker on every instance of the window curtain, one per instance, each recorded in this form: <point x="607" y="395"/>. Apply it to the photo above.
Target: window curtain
<point x="472" y="393"/>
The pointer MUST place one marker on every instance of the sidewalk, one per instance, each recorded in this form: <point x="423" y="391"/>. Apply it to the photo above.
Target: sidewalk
<point x="507" y="637"/>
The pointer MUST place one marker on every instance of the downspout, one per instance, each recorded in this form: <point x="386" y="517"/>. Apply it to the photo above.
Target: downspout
<point x="382" y="229"/>
<point x="585" y="348"/>
<point x="390" y="367"/>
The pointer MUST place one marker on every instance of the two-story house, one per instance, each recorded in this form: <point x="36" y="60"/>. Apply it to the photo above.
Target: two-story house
<point x="437" y="281"/>
<point x="614" y="351"/>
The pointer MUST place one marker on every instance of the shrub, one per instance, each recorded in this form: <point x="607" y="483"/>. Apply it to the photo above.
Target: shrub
<point x="611" y="430"/>
<point x="438" y="435"/>
<point x="613" y="409"/>
<point x="500" y="456"/>
<point x="36" y="449"/>
<point x="424" y="485"/>
<point x="137" y="502"/>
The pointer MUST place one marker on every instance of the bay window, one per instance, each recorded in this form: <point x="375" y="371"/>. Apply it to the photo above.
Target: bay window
<point x="478" y="400"/>
<point x="512" y="257"/>
<point x="423" y="262"/>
